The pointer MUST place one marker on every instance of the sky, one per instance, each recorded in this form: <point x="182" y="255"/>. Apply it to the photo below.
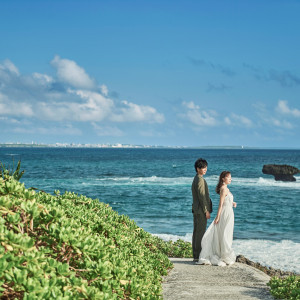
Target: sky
<point x="170" y="73"/>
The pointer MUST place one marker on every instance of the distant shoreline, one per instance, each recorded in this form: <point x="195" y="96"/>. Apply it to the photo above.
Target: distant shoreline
<point x="129" y="146"/>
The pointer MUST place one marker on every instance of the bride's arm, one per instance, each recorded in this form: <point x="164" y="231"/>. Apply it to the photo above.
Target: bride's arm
<point x="222" y="198"/>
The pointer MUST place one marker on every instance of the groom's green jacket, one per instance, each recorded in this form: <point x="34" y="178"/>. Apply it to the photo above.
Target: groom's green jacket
<point x="200" y="193"/>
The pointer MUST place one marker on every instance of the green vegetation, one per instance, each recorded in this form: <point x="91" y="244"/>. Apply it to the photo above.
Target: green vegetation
<point x="72" y="247"/>
<point x="285" y="288"/>
<point x="16" y="174"/>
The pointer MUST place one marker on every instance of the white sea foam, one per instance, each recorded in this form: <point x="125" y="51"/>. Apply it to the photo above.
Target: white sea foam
<point x="174" y="238"/>
<point x="260" y="182"/>
<point x="146" y="180"/>
<point x="211" y="180"/>
<point x="283" y="255"/>
<point x="267" y="182"/>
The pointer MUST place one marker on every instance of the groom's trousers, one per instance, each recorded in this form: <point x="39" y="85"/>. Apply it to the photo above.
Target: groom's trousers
<point x="200" y="223"/>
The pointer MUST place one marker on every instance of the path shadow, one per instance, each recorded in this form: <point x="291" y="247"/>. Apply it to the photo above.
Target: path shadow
<point x="258" y="293"/>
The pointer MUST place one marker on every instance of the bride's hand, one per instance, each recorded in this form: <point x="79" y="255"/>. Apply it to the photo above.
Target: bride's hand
<point x="216" y="221"/>
<point x="234" y="204"/>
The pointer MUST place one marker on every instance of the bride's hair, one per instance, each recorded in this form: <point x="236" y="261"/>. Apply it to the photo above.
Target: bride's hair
<point x="220" y="183"/>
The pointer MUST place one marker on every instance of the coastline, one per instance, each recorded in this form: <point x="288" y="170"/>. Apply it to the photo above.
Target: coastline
<point x="136" y="146"/>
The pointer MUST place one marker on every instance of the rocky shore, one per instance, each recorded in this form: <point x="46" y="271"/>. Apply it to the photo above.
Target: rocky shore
<point x="268" y="270"/>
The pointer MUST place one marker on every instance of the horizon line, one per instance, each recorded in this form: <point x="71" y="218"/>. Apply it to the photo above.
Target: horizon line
<point x="135" y="146"/>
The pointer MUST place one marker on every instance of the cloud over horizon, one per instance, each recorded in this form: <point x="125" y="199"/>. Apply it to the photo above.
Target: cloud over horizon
<point x="197" y="116"/>
<point x="70" y="96"/>
<point x="238" y="120"/>
<point x="69" y="72"/>
<point x="283" y="108"/>
<point x="71" y="103"/>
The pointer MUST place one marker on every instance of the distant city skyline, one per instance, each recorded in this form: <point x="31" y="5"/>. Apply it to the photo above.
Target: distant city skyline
<point x="132" y="146"/>
<point x="168" y="73"/>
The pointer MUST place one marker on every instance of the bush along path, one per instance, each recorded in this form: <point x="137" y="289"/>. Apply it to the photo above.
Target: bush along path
<point x="73" y="247"/>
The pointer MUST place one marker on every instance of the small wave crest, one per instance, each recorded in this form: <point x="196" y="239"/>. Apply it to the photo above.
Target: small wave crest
<point x="174" y="238"/>
<point x="265" y="182"/>
<point x="284" y="184"/>
<point x="184" y="181"/>
<point x="153" y="180"/>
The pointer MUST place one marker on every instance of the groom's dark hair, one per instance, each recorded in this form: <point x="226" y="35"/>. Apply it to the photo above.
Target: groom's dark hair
<point x="200" y="163"/>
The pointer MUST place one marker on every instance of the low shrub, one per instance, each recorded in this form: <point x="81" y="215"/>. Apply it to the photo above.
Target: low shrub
<point x="285" y="288"/>
<point x="72" y="247"/>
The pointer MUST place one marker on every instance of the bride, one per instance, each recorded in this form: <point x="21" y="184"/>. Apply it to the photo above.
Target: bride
<point x="217" y="240"/>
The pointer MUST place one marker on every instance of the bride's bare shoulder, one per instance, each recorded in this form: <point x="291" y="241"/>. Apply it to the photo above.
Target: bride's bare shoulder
<point x="224" y="190"/>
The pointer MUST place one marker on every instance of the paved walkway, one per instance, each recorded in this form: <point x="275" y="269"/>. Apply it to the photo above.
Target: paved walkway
<point x="190" y="281"/>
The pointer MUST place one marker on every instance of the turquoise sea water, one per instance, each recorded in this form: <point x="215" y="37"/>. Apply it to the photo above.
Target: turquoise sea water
<point x="152" y="186"/>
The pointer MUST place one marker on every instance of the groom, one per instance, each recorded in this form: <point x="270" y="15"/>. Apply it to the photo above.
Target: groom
<point x="201" y="206"/>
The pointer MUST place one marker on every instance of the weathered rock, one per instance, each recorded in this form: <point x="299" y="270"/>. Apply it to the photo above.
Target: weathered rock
<point x="281" y="172"/>
<point x="268" y="270"/>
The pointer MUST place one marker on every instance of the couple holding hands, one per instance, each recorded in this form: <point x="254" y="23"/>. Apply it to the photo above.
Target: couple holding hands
<point x="213" y="246"/>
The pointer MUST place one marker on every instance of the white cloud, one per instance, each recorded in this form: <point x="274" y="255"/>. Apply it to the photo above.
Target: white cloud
<point x="46" y="98"/>
<point x="95" y="107"/>
<point x="9" y="120"/>
<point x="69" y="72"/>
<point x="131" y="112"/>
<point x="275" y="118"/>
<point x="104" y="89"/>
<point x="42" y="79"/>
<point x="239" y="120"/>
<point x="14" y="108"/>
<point x="191" y="105"/>
<point x="9" y="66"/>
<point x="197" y="116"/>
<point x="227" y="121"/>
<point x="283" y="108"/>
<point x="281" y="123"/>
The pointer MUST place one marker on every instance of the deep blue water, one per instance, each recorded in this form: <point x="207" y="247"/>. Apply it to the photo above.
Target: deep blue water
<point x="152" y="186"/>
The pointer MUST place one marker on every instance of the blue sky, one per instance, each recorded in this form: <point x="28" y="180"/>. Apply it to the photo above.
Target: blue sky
<point x="171" y="73"/>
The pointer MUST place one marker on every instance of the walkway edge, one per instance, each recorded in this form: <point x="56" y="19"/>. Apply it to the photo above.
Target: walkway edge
<point x="190" y="281"/>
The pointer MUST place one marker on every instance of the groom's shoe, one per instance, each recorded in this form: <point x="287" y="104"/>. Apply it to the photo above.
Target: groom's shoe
<point x="195" y="260"/>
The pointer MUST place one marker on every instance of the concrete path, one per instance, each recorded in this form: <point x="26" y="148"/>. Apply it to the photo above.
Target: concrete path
<point x="190" y="281"/>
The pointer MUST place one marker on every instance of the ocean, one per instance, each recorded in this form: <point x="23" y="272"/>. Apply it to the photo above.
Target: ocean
<point x="153" y="187"/>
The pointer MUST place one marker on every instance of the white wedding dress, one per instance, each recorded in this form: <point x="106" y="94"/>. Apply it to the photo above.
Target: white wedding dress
<point x="217" y="241"/>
